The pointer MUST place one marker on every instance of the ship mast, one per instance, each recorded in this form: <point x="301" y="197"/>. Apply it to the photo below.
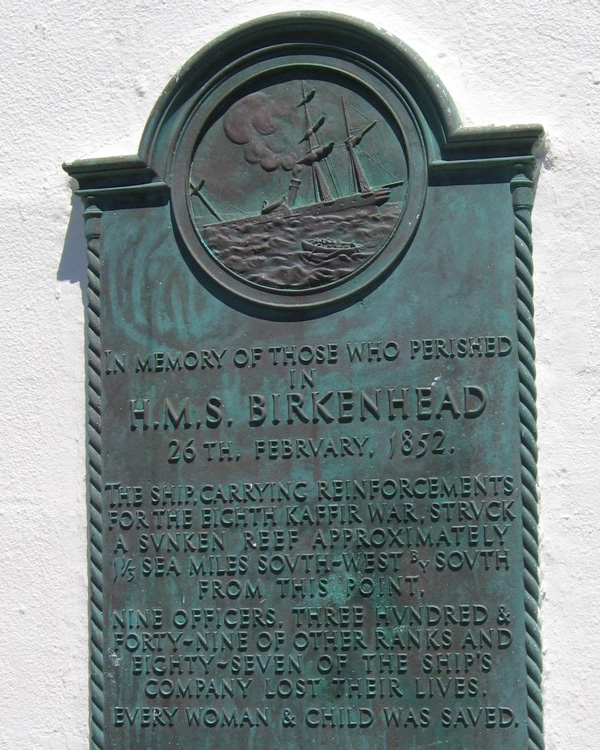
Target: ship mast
<point x="315" y="152"/>
<point x="351" y="141"/>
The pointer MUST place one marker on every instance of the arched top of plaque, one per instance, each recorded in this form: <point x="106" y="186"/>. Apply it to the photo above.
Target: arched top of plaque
<point x="297" y="150"/>
<point x="296" y="159"/>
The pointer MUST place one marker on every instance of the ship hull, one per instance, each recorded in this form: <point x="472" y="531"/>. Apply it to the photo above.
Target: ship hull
<point x="375" y="197"/>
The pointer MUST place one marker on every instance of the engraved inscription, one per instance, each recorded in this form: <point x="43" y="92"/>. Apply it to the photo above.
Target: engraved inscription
<point x="322" y="602"/>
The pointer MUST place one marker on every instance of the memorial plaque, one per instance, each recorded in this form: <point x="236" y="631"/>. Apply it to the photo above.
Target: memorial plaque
<point x="311" y="414"/>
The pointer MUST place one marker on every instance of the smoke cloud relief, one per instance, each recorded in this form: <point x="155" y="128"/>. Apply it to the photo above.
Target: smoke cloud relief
<point x="264" y="129"/>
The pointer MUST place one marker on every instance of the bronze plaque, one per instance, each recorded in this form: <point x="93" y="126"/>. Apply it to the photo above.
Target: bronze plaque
<point x="312" y="460"/>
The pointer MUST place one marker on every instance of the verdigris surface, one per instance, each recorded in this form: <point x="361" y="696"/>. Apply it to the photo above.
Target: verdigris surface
<point x="311" y="408"/>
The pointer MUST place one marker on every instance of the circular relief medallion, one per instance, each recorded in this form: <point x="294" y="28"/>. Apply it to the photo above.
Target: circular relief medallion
<point x="299" y="186"/>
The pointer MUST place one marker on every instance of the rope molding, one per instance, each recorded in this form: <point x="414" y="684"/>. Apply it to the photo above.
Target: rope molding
<point x="93" y="219"/>
<point x="522" y="196"/>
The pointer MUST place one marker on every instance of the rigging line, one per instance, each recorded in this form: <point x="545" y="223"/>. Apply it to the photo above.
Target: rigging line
<point x="235" y="209"/>
<point x="387" y="149"/>
<point x="333" y="176"/>
<point x="208" y="205"/>
<point x="364" y="154"/>
<point x="345" y="111"/>
<point x="362" y="114"/>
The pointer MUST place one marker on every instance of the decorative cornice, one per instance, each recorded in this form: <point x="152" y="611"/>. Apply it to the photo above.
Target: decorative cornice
<point x="492" y="141"/>
<point x="115" y="176"/>
<point x="478" y="169"/>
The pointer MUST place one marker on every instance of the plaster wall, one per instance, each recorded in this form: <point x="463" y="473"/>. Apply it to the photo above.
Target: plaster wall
<point x="79" y="79"/>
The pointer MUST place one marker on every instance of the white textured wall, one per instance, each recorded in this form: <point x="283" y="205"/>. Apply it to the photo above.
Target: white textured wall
<point x="79" y="79"/>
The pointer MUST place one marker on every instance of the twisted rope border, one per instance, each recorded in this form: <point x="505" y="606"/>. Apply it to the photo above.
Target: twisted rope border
<point x="522" y="195"/>
<point x="93" y="219"/>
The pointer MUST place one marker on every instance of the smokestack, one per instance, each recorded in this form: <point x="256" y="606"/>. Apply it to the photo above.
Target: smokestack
<point x="294" y="185"/>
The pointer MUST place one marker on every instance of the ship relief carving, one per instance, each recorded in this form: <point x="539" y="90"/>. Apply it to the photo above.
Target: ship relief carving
<point x="298" y="185"/>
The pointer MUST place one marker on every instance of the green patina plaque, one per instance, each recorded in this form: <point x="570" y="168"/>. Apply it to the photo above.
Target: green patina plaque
<point x="312" y="461"/>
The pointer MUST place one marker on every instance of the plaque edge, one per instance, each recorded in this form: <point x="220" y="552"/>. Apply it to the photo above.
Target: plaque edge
<point x="123" y="175"/>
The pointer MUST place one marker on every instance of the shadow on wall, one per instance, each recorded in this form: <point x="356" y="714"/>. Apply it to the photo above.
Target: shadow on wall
<point x="73" y="262"/>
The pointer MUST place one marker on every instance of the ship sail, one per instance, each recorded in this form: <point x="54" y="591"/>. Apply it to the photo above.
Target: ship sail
<point x="322" y="186"/>
<point x="312" y="159"/>
<point x="316" y="152"/>
<point x="361" y="178"/>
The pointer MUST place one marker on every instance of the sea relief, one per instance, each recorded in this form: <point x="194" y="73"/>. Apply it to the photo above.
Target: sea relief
<point x="298" y="185"/>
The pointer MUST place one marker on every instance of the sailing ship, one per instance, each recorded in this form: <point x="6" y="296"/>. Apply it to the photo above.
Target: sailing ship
<point x="324" y="228"/>
<point x="325" y="202"/>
